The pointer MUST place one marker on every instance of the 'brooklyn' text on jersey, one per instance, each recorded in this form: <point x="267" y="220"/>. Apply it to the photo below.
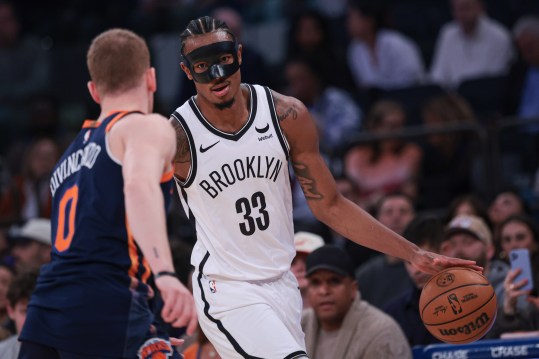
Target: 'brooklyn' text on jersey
<point x="239" y="170"/>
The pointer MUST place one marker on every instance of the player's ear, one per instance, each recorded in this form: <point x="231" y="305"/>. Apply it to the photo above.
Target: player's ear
<point x="490" y="252"/>
<point x="151" y="80"/>
<point x="240" y="50"/>
<point x="92" y="88"/>
<point x="186" y="70"/>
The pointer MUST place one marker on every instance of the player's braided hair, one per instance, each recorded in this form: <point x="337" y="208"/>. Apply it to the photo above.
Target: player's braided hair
<point x="203" y="25"/>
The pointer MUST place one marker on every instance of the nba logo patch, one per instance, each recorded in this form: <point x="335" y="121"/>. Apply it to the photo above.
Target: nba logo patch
<point x="213" y="286"/>
<point x="87" y="136"/>
<point x="155" y="348"/>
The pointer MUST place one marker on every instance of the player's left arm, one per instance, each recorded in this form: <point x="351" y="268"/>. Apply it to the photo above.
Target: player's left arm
<point x="330" y="207"/>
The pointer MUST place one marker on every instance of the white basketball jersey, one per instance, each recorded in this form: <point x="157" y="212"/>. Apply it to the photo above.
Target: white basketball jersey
<point x="237" y="193"/>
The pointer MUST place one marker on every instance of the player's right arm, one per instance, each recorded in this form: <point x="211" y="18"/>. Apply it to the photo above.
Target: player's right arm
<point x="145" y="145"/>
<point x="182" y="156"/>
<point x="330" y="207"/>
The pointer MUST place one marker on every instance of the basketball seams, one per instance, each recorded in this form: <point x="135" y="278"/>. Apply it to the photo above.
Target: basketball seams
<point x="478" y="308"/>
<point x="452" y="289"/>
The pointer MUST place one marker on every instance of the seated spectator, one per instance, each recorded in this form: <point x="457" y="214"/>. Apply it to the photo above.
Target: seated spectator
<point x="468" y="204"/>
<point x="446" y="167"/>
<point x="31" y="243"/>
<point x="506" y="203"/>
<point x="519" y="232"/>
<point x="310" y="38"/>
<point x="426" y="232"/>
<point x="520" y="308"/>
<point x="472" y="46"/>
<point x="340" y="324"/>
<point x="380" y="58"/>
<point x="468" y="237"/>
<point x="395" y="211"/>
<point x="305" y="243"/>
<point x="28" y="195"/>
<point x="384" y="166"/>
<point x="19" y="293"/>
<point x="526" y="33"/>
<point x="334" y="110"/>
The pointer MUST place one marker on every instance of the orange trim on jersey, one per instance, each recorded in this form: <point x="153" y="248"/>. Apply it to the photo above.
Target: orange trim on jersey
<point x="91" y="124"/>
<point x="167" y="176"/>
<point x="117" y="118"/>
<point x="147" y="271"/>
<point x="133" y="253"/>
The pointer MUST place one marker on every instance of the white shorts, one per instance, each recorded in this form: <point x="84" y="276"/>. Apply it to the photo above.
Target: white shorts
<point x="251" y="319"/>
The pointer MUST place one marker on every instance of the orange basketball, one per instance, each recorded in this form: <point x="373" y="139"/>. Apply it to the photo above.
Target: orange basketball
<point x="458" y="305"/>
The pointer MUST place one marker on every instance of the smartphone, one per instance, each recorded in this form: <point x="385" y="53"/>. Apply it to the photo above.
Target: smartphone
<point x="520" y="258"/>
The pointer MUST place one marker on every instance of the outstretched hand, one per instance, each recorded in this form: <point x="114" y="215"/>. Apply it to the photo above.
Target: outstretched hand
<point x="179" y="308"/>
<point x="433" y="263"/>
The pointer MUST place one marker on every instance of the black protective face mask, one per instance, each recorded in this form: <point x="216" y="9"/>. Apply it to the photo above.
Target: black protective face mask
<point x="211" y="54"/>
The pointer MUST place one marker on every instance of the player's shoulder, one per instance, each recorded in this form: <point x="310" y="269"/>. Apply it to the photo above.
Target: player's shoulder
<point x="149" y="125"/>
<point x="288" y="107"/>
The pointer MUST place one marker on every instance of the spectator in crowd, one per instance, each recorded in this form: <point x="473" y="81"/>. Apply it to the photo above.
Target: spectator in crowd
<point x="427" y="233"/>
<point x="32" y="243"/>
<point x="468" y="237"/>
<point x="395" y="211"/>
<point x="386" y="165"/>
<point x="336" y="113"/>
<point x="310" y="38"/>
<point x="471" y="46"/>
<point x="526" y="34"/>
<point x="6" y="274"/>
<point x="24" y="64"/>
<point x="506" y="203"/>
<point x="18" y="295"/>
<point x="377" y="57"/>
<point x="519" y="232"/>
<point x="447" y="157"/>
<point x="28" y="195"/>
<point x="305" y="243"/>
<point x="468" y="204"/>
<point x="340" y="324"/>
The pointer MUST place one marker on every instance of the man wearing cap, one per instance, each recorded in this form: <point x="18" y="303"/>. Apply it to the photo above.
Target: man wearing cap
<point x="32" y="243"/>
<point x="468" y="237"/>
<point x="340" y="324"/>
<point x="305" y="243"/>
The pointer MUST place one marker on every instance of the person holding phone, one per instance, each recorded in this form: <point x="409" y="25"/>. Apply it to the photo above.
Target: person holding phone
<point x="520" y="310"/>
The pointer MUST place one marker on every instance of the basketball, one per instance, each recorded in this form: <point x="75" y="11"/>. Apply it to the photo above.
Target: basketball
<point x="458" y="305"/>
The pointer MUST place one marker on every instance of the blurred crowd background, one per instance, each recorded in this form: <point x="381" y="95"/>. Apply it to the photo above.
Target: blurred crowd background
<point x="435" y="100"/>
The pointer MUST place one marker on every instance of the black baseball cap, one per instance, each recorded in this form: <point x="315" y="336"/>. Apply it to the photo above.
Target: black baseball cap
<point x="331" y="258"/>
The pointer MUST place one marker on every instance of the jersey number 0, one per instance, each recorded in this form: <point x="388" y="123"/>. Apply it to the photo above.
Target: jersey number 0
<point x="245" y="207"/>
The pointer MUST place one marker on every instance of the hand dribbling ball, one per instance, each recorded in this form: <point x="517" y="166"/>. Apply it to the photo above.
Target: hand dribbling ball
<point x="458" y="305"/>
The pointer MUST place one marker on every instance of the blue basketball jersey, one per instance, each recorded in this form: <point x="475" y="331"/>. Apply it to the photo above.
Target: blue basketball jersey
<point x="92" y="298"/>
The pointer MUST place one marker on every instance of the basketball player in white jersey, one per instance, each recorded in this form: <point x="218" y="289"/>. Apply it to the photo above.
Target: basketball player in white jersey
<point x="231" y="167"/>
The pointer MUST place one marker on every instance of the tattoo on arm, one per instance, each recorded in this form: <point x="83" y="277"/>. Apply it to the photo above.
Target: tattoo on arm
<point x="307" y="182"/>
<point x="155" y="252"/>
<point x="183" y="153"/>
<point x="285" y="110"/>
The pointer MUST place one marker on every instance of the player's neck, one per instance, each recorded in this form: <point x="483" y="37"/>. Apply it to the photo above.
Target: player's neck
<point x="228" y="119"/>
<point x="135" y="100"/>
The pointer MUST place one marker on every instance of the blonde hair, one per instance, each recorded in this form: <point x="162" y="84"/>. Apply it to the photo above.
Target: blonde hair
<point x="117" y="59"/>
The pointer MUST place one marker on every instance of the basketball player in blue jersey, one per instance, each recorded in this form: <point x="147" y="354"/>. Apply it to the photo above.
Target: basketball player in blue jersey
<point x="231" y="169"/>
<point x="110" y="190"/>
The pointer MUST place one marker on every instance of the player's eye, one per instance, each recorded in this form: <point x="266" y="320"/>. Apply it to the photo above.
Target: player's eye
<point x="226" y="59"/>
<point x="200" y="67"/>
